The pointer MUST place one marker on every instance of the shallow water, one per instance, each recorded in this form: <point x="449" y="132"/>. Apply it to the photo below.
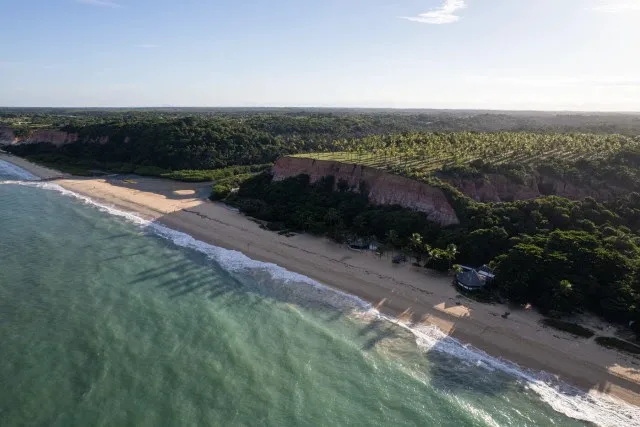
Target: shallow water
<point x="106" y="319"/>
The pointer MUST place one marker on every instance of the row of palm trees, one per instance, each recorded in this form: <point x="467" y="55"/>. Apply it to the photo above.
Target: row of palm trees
<point x="418" y="248"/>
<point x="425" y="152"/>
<point x="422" y="251"/>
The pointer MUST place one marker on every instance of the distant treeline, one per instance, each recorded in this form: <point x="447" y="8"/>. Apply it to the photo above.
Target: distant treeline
<point x="408" y="119"/>
<point x="201" y="142"/>
<point x="173" y="139"/>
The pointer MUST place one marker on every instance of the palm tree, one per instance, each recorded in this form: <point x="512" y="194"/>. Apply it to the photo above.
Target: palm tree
<point x="450" y="253"/>
<point x="393" y="238"/>
<point x="416" y="246"/>
<point x="428" y="250"/>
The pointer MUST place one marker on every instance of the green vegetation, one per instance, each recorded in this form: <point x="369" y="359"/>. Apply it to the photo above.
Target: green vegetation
<point x="560" y="255"/>
<point x="224" y="186"/>
<point x="198" y="142"/>
<point x="343" y="215"/>
<point x="217" y="175"/>
<point x="572" y="328"/>
<point x="618" y="344"/>
<point x="410" y="143"/>
<point x="584" y="159"/>
<point x="420" y="152"/>
<point x="360" y="122"/>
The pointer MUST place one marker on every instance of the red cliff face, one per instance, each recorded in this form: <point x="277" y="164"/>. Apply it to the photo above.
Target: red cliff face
<point x="384" y="188"/>
<point x="55" y="137"/>
<point x="7" y="137"/>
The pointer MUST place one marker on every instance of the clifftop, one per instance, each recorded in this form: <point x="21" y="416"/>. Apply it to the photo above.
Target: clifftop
<point x="384" y="188"/>
<point x="55" y="137"/>
<point x="388" y="189"/>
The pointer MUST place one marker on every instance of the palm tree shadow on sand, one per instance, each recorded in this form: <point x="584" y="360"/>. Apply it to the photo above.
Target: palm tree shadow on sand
<point x="199" y="276"/>
<point x="261" y="284"/>
<point x="455" y="368"/>
<point x="444" y="371"/>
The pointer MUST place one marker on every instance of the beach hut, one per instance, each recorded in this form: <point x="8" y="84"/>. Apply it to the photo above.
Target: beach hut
<point x="486" y="272"/>
<point x="358" y="244"/>
<point x="362" y="244"/>
<point x="472" y="280"/>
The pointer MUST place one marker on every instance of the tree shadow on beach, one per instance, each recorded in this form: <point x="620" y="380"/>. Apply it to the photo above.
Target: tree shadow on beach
<point x="183" y="277"/>
<point x="377" y="331"/>
<point x="198" y="275"/>
<point x="447" y="372"/>
<point x="122" y="256"/>
<point x="450" y="367"/>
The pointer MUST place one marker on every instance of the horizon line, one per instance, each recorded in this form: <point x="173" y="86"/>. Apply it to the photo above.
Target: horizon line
<point x="324" y="107"/>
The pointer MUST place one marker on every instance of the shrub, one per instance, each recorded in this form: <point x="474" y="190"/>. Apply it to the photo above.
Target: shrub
<point x="214" y="174"/>
<point x="223" y="187"/>
<point x="220" y="192"/>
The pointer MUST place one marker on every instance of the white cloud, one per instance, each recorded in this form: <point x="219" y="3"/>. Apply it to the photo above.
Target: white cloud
<point x="445" y="14"/>
<point x="103" y="3"/>
<point x="618" y="7"/>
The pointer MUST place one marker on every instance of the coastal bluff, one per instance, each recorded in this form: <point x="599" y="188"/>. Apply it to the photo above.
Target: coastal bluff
<point x="55" y="137"/>
<point x="384" y="188"/>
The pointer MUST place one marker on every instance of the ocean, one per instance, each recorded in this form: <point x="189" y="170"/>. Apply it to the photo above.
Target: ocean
<point x="110" y="320"/>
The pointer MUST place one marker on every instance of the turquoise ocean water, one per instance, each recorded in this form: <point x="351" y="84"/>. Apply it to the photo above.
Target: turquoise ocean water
<point x="108" y="320"/>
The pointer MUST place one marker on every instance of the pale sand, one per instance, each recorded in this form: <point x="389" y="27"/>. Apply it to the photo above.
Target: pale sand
<point x="426" y="296"/>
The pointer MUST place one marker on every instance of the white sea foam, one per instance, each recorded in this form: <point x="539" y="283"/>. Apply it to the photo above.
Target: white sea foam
<point x="230" y="260"/>
<point x="597" y="408"/>
<point x="10" y="169"/>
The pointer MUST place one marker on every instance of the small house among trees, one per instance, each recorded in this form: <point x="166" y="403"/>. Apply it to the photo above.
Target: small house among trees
<point x="471" y="279"/>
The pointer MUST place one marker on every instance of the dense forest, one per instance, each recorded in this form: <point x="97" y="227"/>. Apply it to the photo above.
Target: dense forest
<point x="560" y="255"/>
<point x="385" y="119"/>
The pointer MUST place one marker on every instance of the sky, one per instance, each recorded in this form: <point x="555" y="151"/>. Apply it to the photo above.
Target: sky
<point x="477" y="54"/>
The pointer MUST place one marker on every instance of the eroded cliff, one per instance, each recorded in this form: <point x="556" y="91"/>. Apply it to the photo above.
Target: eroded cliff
<point x="384" y="188"/>
<point x="55" y="137"/>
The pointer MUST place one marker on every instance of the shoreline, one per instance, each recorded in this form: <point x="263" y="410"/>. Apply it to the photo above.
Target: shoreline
<point x="403" y="292"/>
<point x="41" y="172"/>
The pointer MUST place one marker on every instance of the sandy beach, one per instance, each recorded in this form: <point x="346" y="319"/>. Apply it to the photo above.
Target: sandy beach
<point x="37" y="170"/>
<point x="408" y="293"/>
